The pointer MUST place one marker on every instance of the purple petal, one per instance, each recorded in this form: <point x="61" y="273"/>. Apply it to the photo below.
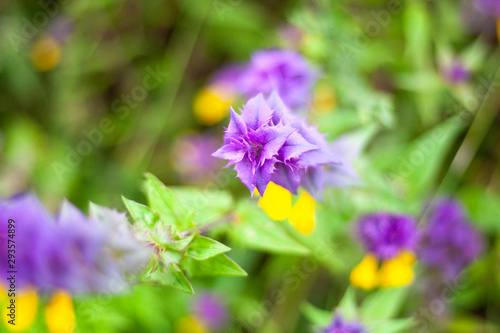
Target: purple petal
<point x="263" y="175"/>
<point x="245" y="173"/>
<point x="236" y="124"/>
<point x="257" y="112"/>
<point x="286" y="177"/>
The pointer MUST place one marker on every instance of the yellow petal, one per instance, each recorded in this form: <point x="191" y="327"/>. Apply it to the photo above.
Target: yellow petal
<point x="276" y="202"/>
<point x="364" y="275"/>
<point x="26" y="305"/>
<point x="46" y="53"/>
<point x="210" y="106"/>
<point x="302" y="214"/>
<point x="189" y="324"/>
<point x="397" y="272"/>
<point x="59" y="313"/>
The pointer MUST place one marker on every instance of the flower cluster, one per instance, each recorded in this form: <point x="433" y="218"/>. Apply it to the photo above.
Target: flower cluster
<point x="284" y="71"/>
<point x="448" y="243"/>
<point x="266" y="143"/>
<point x="339" y="325"/>
<point x="70" y="251"/>
<point x="391" y="240"/>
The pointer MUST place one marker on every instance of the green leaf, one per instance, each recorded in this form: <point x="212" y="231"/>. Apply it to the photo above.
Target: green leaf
<point x="416" y="169"/>
<point x="171" y="257"/>
<point x="389" y="326"/>
<point x="383" y="304"/>
<point x="316" y="316"/>
<point x="209" y="205"/>
<point x="142" y="215"/>
<point x="173" y="277"/>
<point x="202" y="248"/>
<point x="172" y="209"/>
<point x="347" y="305"/>
<point x="257" y="231"/>
<point x="482" y="206"/>
<point x="214" y="266"/>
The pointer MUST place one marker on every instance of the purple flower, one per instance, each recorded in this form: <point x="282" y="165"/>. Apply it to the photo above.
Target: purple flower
<point x="258" y="139"/>
<point x="456" y="72"/>
<point x="338" y="325"/>
<point x="211" y="310"/>
<point x="266" y="143"/>
<point x="488" y="7"/>
<point x="283" y="70"/>
<point x="448" y="243"/>
<point x="70" y="251"/>
<point x="386" y="234"/>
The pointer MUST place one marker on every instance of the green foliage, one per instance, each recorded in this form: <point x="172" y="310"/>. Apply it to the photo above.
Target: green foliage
<point x="168" y="225"/>
<point x="255" y="230"/>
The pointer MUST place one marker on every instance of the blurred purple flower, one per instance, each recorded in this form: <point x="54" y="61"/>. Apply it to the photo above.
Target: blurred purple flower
<point x="488" y="7"/>
<point x="192" y="157"/>
<point x="448" y="243"/>
<point x="456" y="72"/>
<point x="338" y="325"/>
<point x="68" y="252"/>
<point x="228" y="77"/>
<point x="283" y="70"/>
<point x="61" y="28"/>
<point x="386" y="235"/>
<point x="211" y="310"/>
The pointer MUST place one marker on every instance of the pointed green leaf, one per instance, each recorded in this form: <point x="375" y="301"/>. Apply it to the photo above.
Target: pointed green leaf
<point x="203" y="248"/>
<point x="214" y="266"/>
<point x="172" y="277"/>
<point x="170" y="257"/>
<point x="257" y="231"/>
<point x="389" y="326"/>
<point x="347" y="305"/>
<point x="142" y="215"/>
<point x="383" y="304"/>
<point x="316" y="316"/>
<point x="163" y="200"/>
<point x="209" y="205"/>
<point x="182" y="243"/>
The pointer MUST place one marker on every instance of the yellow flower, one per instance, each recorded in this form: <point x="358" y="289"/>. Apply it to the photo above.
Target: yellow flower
<point x="276" y="202"/>
<point x="302" y="214"/>
<point x="189" y="324"/>
<point x="46" y="53"/>
<point x="59" y="313"/>
<point x="365" y="275"/>
<point x="211" y="105"/>
<point x="26" y="304"/>
<point x="393" y="273"/>
<point x="397" y="272"/>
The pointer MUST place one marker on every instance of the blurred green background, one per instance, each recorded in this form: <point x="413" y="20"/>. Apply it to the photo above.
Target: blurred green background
<point x="79" y="120"/>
